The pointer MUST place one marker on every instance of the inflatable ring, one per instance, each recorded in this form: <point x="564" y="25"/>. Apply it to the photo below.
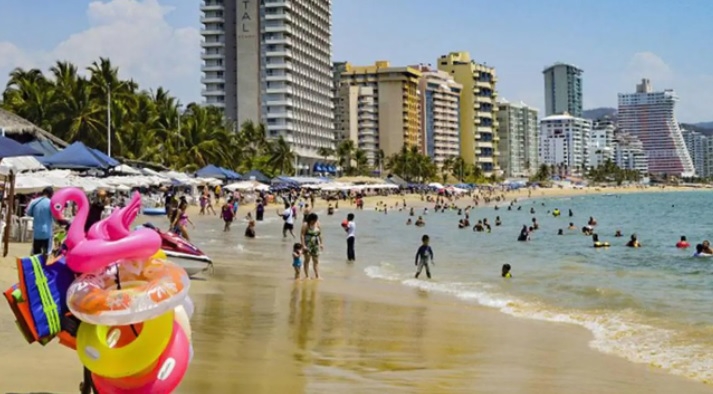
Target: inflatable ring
<point x="96" y="353"/>
<point x="164" y="377"/>
<point x="184" y="321"/>
<point x="148" y="289"/>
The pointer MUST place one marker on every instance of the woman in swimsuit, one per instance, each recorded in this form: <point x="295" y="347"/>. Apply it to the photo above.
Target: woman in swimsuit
<point x="180" y="224"/>
<point x="311" y="236"/>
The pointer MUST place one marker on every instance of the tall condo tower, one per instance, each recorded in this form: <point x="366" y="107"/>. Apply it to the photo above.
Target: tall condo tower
<point x="563" y="90"/>
<point x="478" y="110"/>
<point x="650" y="117"/>
<point x="270" y="61"/>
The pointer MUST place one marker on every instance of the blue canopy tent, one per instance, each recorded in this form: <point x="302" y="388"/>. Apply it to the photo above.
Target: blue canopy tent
<point x="43" y="146"/>
<point x="257" y="175"/>
<point x="231" y="174"/>
<point x="75" y="157"/>
<point x="107" y="159"/>
<point x="12" y="148"/>
<point x="211" y="171"/>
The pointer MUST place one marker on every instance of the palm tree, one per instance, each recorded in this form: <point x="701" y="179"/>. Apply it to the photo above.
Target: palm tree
<point x="345" y="153"/>
<point x="325" y="153"/>
<point x="281" y="156"/>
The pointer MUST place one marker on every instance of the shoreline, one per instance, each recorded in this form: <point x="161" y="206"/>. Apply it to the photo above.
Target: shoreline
<point x="352" y="333"/>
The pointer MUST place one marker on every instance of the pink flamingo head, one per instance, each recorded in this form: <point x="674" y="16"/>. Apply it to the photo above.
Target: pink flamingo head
<point x="59" y="202"/>
<point x="63" y="196"/>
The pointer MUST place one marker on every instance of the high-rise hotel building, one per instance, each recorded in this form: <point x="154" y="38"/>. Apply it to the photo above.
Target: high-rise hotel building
<point x="379" y="108"/>
<point x="650" y="117"/>
<point x="270" y="61"/>
<point x="563" y="90"/>
<point x="440" y="118"/>
<point x="519" y="139"/>
<point x="478" y="110"/>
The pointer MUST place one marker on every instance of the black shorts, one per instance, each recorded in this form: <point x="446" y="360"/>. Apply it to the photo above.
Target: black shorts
<point x="40" y="246"/>
<point x="288" y="226"/>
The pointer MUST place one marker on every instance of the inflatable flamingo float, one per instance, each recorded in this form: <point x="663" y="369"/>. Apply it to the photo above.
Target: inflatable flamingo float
<point x="110" y="241"/>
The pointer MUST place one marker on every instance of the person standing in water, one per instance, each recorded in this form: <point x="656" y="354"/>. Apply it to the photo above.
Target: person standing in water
<point x="313" y="243"/>
<point x="288" y="215"/>
<point x="259" y="210"/>
<point x="350" y="229"/>
<point x="424" y="256"/>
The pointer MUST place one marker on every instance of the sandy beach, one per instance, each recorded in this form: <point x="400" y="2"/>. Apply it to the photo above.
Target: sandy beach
<point x="257" y="331"/>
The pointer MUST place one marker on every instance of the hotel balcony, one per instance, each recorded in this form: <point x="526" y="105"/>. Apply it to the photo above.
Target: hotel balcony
<point x="211" y="56"/>
<point x="274" y="65"/>
<point x="279" y="115"/>
<point x="211" y="31"/>
<point x="279" y="90"/>
<point x="278" y="3"/>
<point x="279" y="41"/>
<point x="209" y="80"/>
<point x="282" y="16"/>
<point x="212" y="19"/>
<point x="278" y="78"/>
<point x="212" y="44"/>
<point x="212" y="67"/>
<point x="484" y="144"/>
<point x="212" y="6"/>
<point x="278" y="29"/>
<point x="216" y="92"/>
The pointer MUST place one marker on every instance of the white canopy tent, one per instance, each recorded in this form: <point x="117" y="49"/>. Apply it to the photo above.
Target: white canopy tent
<point x="29" y="184"/>
<point x="22" y="164"/>
<point x="246" y="186"/>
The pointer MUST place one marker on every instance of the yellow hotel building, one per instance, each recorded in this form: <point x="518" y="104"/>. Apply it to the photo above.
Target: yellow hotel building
<point x="478" y="110"/>
<point x="388" y="95"/>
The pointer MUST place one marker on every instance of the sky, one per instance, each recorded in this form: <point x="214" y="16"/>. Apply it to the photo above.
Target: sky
<point x="615" y="42"/>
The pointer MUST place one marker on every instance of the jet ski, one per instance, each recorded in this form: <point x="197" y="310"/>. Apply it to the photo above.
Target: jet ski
<point x="182" y="252"/>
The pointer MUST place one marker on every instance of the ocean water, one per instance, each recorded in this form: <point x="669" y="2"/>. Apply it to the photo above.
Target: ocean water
<point x="650" y="305"/>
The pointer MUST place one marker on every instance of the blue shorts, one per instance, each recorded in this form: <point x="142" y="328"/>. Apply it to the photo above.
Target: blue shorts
<point x="297" y="264"/>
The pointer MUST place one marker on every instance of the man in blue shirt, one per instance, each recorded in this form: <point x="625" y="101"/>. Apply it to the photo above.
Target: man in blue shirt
<point x="39" y="209"/>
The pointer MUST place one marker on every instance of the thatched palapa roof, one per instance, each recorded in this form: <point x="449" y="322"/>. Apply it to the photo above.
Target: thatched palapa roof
<point x="16" y="126"/>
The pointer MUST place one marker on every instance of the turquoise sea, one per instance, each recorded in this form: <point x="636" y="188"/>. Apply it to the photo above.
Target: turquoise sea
<point x="650" y="305"/>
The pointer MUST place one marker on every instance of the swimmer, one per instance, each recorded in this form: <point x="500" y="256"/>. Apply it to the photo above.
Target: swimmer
<point x="700" y="251"/>
<point x="505" y="273"/>
<point x="571" y="226"/>
<point x="560" y="232"/>
<point x="618" y="234"/>
<point x="409" y="222"/>
<point x="497" y="221"/>
<point x="633" y="242"/>
<point x="420" y="222"/>
<point x="597" y="243"/>
<point x="535" y="225"/>
<point x="524" y="234"/>
<point x="683" y="243"/>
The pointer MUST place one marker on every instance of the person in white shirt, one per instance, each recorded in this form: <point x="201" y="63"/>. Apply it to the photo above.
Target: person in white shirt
<point x="350" y="229"/>
<point x="289" y="217"/>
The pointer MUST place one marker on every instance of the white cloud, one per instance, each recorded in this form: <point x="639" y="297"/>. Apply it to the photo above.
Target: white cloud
<point x="694" y="90"/>
<point x="135" y="35"/>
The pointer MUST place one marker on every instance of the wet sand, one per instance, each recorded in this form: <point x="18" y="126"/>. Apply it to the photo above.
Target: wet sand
<point x="257" y="331"/>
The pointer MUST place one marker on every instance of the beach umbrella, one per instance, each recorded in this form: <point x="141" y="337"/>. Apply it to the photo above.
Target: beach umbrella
<point x="12" y="148"/>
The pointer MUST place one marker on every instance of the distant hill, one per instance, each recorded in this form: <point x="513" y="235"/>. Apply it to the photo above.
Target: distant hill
<point x="597" y="113"/>
<point x="704" y="127"/>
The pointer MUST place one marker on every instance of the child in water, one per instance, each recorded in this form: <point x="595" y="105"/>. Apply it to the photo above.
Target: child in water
<point x="297" y="259"/>
<point x="506" y="271"/>
<point x="424" y="255"/>
<point x="228" y="215"/>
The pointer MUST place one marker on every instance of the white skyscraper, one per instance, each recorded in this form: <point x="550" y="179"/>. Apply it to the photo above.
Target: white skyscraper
<point x="649" y="116"/>
<point x="601" y="143"/>
<point x="563" y="142"/>
<point x="269" y="61"/>
<point x="699" y="147"/>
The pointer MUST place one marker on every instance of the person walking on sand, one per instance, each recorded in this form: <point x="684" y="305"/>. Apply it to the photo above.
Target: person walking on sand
<point x="313" y="243"/>
<point x="424" y="256"/>
<point x="350" y="229"/>
<point x="288" y="216"/>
